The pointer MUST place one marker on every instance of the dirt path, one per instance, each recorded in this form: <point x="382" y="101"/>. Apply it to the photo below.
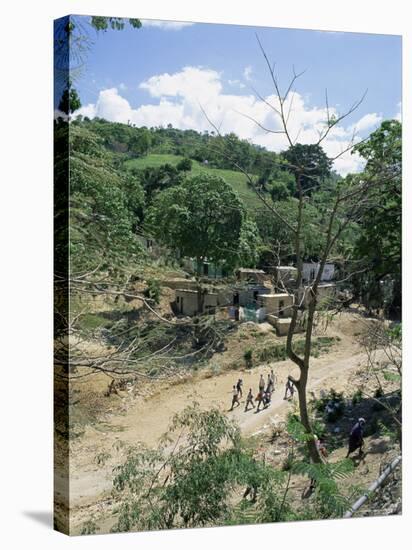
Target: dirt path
<point x="147" y="420"/>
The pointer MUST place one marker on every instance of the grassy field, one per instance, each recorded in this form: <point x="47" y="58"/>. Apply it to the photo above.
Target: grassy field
<point x="236" y="179"/>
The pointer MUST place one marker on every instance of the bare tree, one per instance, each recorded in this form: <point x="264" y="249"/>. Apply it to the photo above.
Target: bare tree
<point x="349" y="202"/>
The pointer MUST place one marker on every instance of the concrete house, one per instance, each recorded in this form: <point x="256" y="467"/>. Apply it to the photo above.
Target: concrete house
<point x="285" y="276"/>
<point x="311" y="269"/>
<point x="279" y="305"/>
<point x="186" y="301"/>
<point x="278" y="311"/>
<point x="248" y="275"/>
<point x="326" y="291"/>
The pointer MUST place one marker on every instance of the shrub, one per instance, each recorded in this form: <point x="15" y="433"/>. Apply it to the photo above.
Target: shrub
<point x="184" y="165"/>
<point x="331" y="404"/>
<point x="248" y="357"/>
<point x="357" y="396"/>
<point x="153" y="290"/>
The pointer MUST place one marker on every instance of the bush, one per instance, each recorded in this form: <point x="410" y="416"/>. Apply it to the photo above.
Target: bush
<point x="357" y="397"/>
<point x="184" y="165"/>
<point x="248" y="357"/>
<point x="331" y="404"/>
<point x="153" y="290"/>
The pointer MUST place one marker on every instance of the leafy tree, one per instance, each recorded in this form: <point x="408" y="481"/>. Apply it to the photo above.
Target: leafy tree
<point x="379" y="241"/>
<point x="70" y="101"/>
<point x="310" y="162"/>
<point x="158" y="179"/>
<point x="202" y="218"/>
<point x="184" y="165"/>
<point x="279" y="191"/>
<point x="193" y="478"/>
<point x="140" y="142"/>
<point x="102" y="207"/>
<point x="114" y="23"/>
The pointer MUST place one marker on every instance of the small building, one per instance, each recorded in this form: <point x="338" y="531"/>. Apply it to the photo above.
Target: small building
<point x="326" y="291"/>
<point x="285" y="276"/>
<point x="310" y="271"/>
<point x="279" y="305"/>
<point x="205" y="269"/>
<point x="187" y="303"/>
<point x="248" y="275"/>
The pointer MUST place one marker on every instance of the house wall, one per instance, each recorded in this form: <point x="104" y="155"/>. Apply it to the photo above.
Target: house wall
<point x="277" y="304"/>
<point x="324" y="290"/>
<point x="189" y="304"/>
<point x="310" y="271"/>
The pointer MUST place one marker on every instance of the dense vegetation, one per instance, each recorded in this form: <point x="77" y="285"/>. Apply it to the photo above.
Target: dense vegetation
<point x="125" y="179"/>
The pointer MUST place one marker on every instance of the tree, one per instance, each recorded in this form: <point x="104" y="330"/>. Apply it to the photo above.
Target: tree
<point x="70" y="101"/>
<point x="379" y="243"/>
<point x="140" y="142"/>
<point x="310" y="166"/>
<point x="310" y="162"/>
<point x="202" y="218"/>
<point x="157" y="179"/>
<point x="184" y="165"/>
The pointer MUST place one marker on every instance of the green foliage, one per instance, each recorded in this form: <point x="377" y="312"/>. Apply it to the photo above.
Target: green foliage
<point x="379" y="236"/>
<point x="202" y="218"/>
<point x="155" y="180"/>
<point x="277" y="352"/>
<point x="331" y="404"/>
<point x="153" y="290"/>
<point x="248" y="357"/>
<point x="140" y="142"/>
<point x="104" y="207"/>
<point x="114" y="23"/>
<point x="70" y="101"/>
<point x="279" y="191"/>
<point x="357" y="396"/>
<point x="236" y="179"/>
<point x="328" y="499"/>
<point x="310" y="163"/>
<point x="184" y="165"/>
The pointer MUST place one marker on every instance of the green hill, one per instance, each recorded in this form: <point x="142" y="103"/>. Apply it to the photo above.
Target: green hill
<point x="237" y="180"/>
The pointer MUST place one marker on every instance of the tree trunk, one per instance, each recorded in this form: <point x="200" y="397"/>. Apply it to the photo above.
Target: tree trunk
<point x="200" y="291"/>
<point x="304" y="416"/>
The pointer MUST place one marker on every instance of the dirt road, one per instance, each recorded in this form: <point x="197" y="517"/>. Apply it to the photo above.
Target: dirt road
<point x="146" y="421"/>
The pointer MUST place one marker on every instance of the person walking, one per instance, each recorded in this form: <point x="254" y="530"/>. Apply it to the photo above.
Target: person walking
<point x="235" y="398"/>
<point x="239" y="385"/>
<point x="289" y="388"/>
<point x="356" y="437"/>
<point x="249" y="400"/>
<point x="261" y="383"/>
<point x="270" y="388"/>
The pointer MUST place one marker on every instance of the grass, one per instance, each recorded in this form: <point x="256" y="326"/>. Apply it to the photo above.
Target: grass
<point x="236" y="179"/>
<point x="277" y="352"/>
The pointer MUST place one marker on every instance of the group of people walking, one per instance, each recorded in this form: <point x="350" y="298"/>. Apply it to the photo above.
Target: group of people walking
<point x="264" y="395"/>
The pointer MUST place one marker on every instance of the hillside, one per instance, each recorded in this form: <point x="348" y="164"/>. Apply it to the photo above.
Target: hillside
<point x="236" y="179"/>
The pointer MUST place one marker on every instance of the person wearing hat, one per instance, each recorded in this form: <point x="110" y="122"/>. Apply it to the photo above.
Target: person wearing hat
<point x="356" y="437"/>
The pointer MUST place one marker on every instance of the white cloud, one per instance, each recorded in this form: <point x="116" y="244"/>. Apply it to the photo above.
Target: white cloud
<point x="191" y="83"/>
<point x="122" y="86"/>
<point x="180" y="96"/>
<point x="236" y="83"/>
<point x="166" y="25"/>
<point x="367" y="122"/>
<point x="247" y="73"/>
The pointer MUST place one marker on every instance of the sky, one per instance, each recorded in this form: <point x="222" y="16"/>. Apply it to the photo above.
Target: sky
<point x="166" y="73"/>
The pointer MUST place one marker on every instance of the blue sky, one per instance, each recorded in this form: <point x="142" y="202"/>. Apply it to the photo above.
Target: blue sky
<point x="159" y="74"/>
